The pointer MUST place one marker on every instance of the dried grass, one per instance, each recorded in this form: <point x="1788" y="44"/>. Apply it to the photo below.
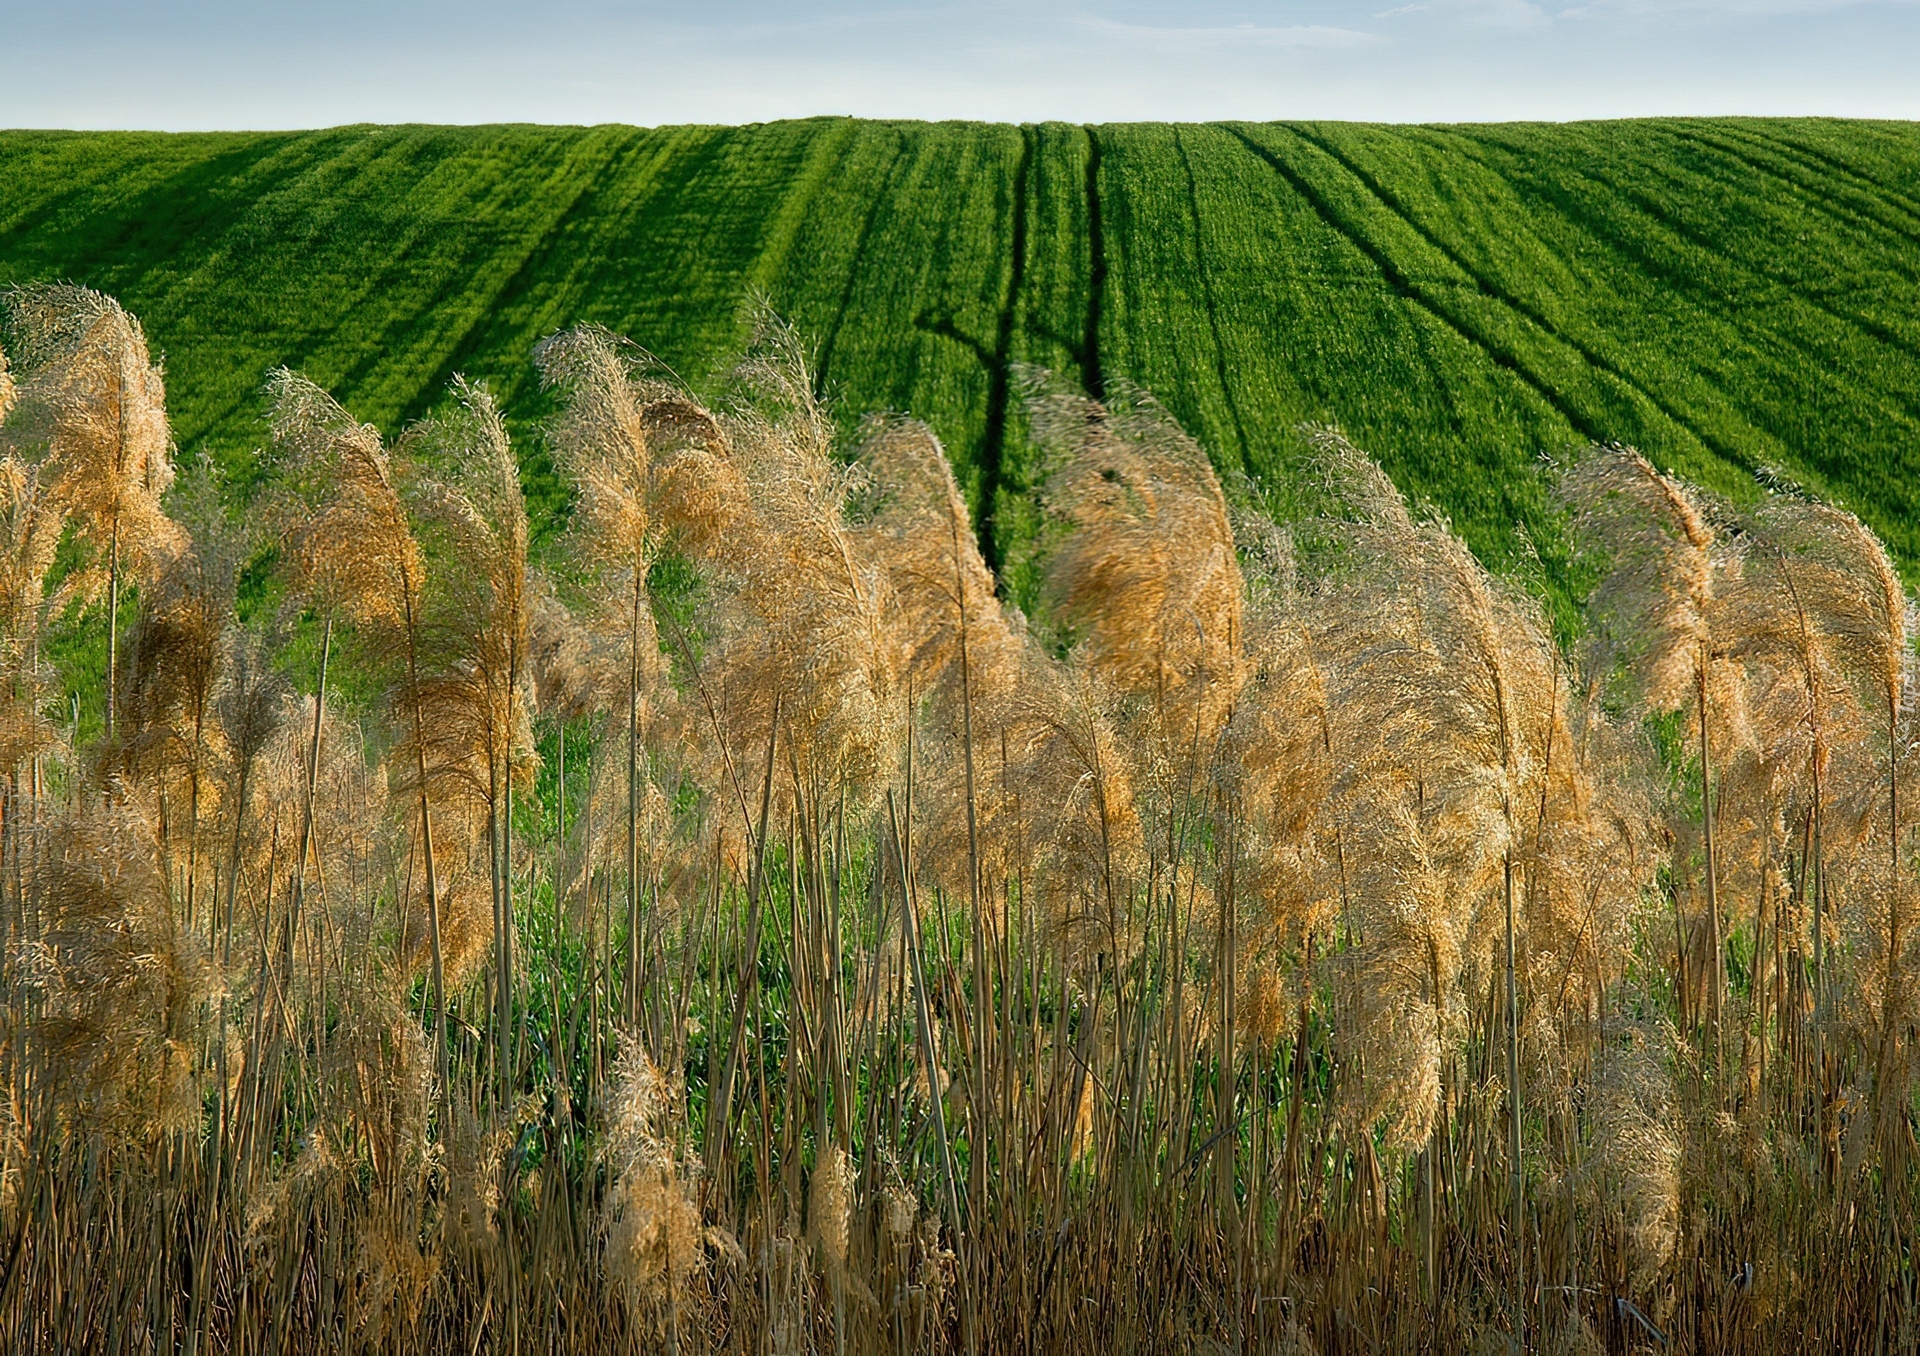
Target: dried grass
<point x="1283" y="944"/>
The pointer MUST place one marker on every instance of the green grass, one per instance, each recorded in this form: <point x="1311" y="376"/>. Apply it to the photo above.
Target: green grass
<point x="1725" y="294"/>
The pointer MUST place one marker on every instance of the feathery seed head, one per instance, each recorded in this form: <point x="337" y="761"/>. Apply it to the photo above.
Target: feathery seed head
<point x="830" y="1206"/>
<point x="1147" y="568"/>
<point x="1660" y="597"/>
<point x="1638" y="1156"/>
<point x="652" y="1218"/>
<point x="345" y="538"/>
<point x="915" y="522"/>
<point x="123" y="984"/>
<point x="91" y="407"/>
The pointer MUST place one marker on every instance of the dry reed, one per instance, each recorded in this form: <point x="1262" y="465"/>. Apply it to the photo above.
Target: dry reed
<point x="742" y="931"/>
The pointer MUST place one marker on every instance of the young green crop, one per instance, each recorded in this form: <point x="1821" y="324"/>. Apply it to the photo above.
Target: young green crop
<point x="1724" y="294"/>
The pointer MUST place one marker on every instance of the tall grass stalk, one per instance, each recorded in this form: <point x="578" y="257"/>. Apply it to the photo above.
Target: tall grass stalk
<point x="1279" y="942"/>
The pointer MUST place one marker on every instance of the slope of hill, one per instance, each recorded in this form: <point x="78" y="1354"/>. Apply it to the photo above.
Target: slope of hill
<point x="1727" y="295"/>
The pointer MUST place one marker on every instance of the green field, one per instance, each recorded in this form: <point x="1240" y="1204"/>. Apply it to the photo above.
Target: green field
<point x="1214" y="965"/>
<point x="1725" y="294"/>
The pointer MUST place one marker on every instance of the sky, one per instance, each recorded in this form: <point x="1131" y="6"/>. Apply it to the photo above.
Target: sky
<point x="260" y="64"/>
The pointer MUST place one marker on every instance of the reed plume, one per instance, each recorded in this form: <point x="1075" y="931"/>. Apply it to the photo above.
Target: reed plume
<point x="1430" y="664"/>
<point x="345" y="535"/>
<point x="471" y="734"/>
<point x="1021" y="773"/>
<point x="1660" y="603"/>
<point x="96" y="402"/>
<point x="348" y="546"/>
<point x="965" y="653"/>
<point x="830" y="1207"/>
<point x="1639" y="1156"/>
<point x="1058" y="811"/>
<point x="169" y="741"/>
<point x="1146" y="572"/>
<point x="561" y="676"/>
<point x="378" y="1073"/>
<point x="650" y="465"/>
<point x="32" y="521"/>
<point x="8" y="392"/>
<point x="463" y="490"/>
<point x="250" y="707"/>
<point x="801" y="611"/>
<point x="1665" y="556"/>
<point x="913" y="519"/>
<point x="1278" y="762"/>
<point x="651" y="469"/>
<point x="121" y="983"/>
<point x="1849" y="635"/>
<point x="655" y="1239"/>
<point x="603" y="444"/>
<point x="1475" y="832"/>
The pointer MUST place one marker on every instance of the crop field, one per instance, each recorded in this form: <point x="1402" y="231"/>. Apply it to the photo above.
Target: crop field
<point x="1725" y="295"/>
<point x="1083" y="740"/>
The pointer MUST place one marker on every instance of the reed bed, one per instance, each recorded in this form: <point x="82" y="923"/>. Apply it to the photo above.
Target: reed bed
<point x="1285" y="941"/>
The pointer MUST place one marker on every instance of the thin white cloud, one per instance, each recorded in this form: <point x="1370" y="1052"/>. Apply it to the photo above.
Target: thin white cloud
<point x="1193" y="37"/>
<point x="1733" y="9"/>
<point x="1479" y="13"/>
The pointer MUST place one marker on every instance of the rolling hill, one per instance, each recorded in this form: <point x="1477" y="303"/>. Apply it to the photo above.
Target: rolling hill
<point x="1728" y="295"/>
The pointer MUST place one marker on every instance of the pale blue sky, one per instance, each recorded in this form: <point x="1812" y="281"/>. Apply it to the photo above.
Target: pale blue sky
<point x="273" y="64"/>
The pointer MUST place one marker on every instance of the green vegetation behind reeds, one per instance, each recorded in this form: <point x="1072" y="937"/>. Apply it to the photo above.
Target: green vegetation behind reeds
<point x="1723" y="294"/>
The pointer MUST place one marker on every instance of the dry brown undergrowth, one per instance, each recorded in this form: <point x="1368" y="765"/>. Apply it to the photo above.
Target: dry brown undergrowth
<point x="1283" y="943"/>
